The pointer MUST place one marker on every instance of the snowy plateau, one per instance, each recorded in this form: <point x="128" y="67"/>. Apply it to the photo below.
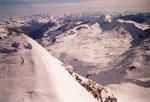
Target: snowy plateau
<point x="83" y="57"/>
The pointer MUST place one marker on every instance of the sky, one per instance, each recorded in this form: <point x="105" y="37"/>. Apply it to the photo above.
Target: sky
<point x="12" y="2"/>
<point x="28" y="7"/>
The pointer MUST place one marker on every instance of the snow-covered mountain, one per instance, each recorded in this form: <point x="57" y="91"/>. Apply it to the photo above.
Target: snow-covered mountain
<point x="28" y="73"/>
<point x="112" y="50"/>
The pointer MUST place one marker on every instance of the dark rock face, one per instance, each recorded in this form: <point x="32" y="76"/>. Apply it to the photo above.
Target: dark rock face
<point x="28" y="46"/>
<point x="15" y="44"/>
<point x="147" y="31"/>
<point x="140" y="18"/>
<point x="37" y="34"/>
<point x="7" y="50"/>
<point x="131" y="68"/>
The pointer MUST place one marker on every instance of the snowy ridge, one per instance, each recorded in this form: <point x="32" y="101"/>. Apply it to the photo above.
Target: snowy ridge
<point x="110" y="49"/>
<point x="97" y="90"/>
<point x="36" y="76"/>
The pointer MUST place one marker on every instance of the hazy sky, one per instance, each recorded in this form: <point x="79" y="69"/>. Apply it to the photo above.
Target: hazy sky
<point x="98" y="2"/>
<point x="37" y="1"/>
<point x="24" y="7"/>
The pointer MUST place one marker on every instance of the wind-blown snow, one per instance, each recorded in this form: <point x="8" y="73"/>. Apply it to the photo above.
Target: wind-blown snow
<point x="33" y="75"/>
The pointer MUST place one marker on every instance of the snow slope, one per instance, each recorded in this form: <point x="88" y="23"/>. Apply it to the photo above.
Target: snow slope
<point x="128" y="92"/>
<point x="114" y="53"/>
<point x="112" y="50"/>
<point x="30" y="74"/>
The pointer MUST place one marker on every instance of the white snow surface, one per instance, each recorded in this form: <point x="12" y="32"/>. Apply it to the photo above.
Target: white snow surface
<point x="39" y="78"/>
<point x="138" y="25"/>
<point x="112" y="52"/>
<point x="130" y="93"/>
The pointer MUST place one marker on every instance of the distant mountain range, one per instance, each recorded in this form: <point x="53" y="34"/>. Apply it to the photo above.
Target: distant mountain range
<point x="97" y="49"/>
